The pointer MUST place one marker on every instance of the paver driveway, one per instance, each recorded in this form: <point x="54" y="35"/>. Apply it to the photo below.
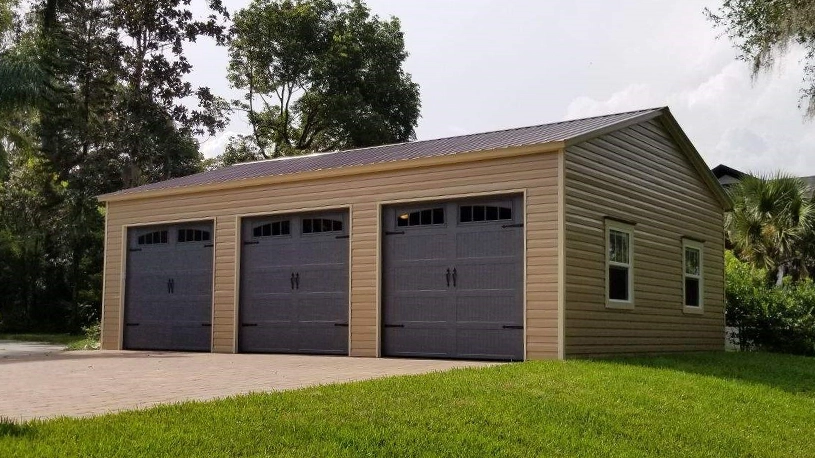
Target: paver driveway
<point x="84" y="383"/>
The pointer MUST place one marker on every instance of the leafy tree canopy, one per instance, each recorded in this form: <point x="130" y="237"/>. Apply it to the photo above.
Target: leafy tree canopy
<point x="319" y="76"/>
<point x="763" y="29"/>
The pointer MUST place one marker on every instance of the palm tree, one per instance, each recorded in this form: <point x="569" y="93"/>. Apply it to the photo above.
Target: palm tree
<point x="772" y="222"/>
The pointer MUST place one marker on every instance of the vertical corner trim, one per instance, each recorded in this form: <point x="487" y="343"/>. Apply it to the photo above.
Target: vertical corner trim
<point x="561" y="254"/>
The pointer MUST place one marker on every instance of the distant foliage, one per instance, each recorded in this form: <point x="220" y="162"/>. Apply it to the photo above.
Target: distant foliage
<point x="772" y="318"/>
<point x="318" y="75"/>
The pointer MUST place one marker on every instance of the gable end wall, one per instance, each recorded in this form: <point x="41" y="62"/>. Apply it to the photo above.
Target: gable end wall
<point x="639" y="174"/>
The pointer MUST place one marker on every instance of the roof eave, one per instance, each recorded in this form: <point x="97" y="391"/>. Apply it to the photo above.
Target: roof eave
<point x="471" y="156"/>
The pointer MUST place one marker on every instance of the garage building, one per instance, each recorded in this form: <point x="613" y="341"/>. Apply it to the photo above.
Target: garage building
<point x="593" y="236"/>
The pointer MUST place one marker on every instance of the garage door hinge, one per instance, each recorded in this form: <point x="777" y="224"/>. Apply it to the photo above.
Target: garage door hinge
<point x="394" y="325"/>
<point x="509" y="326"/>
<point x="342" y="237"/>
<point x="341" y="324"/>
<point x="209" y="245"/>
<point x="252" y="242"/>
<point x="134" y="249"/>
<point x="513" y="225"/>
<point x="249" y="325"/>
<point x="394" y="232"/>
<point x="131" y="324"/>
<point x="206" y="325"/>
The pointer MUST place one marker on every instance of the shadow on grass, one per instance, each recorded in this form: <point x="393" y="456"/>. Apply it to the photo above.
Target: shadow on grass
<point x="10" y="428"/>
<point x="794" y="374"/>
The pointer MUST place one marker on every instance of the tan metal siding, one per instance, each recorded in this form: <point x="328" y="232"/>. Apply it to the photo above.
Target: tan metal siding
<point x="639" y="174"/>
<point x="536" y="174"/>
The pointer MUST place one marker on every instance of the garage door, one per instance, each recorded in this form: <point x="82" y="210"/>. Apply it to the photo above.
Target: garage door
<point x="294" y="284"/>
<point x="168" y="298"/>
<point x="453" y="279"/>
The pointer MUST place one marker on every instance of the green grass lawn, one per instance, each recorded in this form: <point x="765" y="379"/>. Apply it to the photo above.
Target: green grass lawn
<point x="725" y="404"/>
<point x="71" y="341"/>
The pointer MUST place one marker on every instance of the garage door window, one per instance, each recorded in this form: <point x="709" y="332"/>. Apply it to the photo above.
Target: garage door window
<point x="193" y="235"/>
<point x="319" y="225"/>
<point x="272" y="229"/>
<point x="152" y="238"/>
<point x="426" y="217"/>
<point x="477" y="213"/>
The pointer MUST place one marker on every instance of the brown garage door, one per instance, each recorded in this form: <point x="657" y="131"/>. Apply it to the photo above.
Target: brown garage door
<point x="453" y="279"/>
<point x="294" y="284"/>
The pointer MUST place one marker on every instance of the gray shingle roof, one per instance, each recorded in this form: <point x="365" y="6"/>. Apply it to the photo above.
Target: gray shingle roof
<point x="523" y="136"/>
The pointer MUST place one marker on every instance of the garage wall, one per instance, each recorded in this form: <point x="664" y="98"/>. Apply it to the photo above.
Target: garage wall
<point x="639" y="174"/>
<point x="537" y="174"/>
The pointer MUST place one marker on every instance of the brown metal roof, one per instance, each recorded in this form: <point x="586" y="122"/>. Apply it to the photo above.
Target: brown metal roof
<point x="523" y="136"/>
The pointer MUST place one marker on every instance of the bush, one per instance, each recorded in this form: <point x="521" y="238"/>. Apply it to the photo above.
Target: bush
<point x="779" y="319"/>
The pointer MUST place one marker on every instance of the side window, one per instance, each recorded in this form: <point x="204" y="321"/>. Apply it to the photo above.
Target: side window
<point x="476" y="213"/>
<point x="277" y="228"/>
<point x="692" y="273"/>
<point x="619" y="265"/>
<point x="193" y="235"/>
<point x="152" y="238"/>
<point x="426" y="217"/>
<point x="318" y="225"/>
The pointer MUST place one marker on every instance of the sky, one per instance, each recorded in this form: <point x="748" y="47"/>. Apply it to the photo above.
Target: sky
<point x="486" y="65"/>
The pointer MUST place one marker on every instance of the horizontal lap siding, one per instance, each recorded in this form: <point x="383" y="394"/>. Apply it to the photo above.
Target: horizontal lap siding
<point x="639" y="174"/>
<point x="537" y="174"/>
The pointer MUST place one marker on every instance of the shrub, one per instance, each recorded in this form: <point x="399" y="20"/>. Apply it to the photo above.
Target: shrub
<point x="768" y="317"/>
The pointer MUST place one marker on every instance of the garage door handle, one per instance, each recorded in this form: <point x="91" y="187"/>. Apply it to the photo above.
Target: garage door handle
<point x="394" y="325"/>
<point x="455" y="276"/>
<point x="512" y="326"/>
<point x="448" y="278"/>
<point x="345" y="325"/>
<point x="297" y="280"/>
<point x="292" y="280"/>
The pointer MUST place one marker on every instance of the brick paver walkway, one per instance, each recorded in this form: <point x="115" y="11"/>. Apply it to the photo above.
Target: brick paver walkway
<point x="83" y="383"/>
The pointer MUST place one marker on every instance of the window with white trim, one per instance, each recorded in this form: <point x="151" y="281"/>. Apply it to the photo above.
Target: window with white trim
<point x="619" y="265"/>
<point x="692" y="274"/>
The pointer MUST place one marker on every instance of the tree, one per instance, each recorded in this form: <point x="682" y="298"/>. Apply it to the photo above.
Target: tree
<point x="93" y="97"/>
<point x="319" y="76"/>
<point x="771" y="223"/>
<point x="762" y="30"/>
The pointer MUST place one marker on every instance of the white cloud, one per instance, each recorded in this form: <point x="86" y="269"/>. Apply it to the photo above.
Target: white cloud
<point x="214" y="146"/>
<point x="749" y="125"/>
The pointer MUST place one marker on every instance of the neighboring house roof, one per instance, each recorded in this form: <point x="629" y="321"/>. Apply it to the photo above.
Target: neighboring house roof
<point x="564" y="133"/>
<point x="722" y="170"/>
<point x="728" y="176"/>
